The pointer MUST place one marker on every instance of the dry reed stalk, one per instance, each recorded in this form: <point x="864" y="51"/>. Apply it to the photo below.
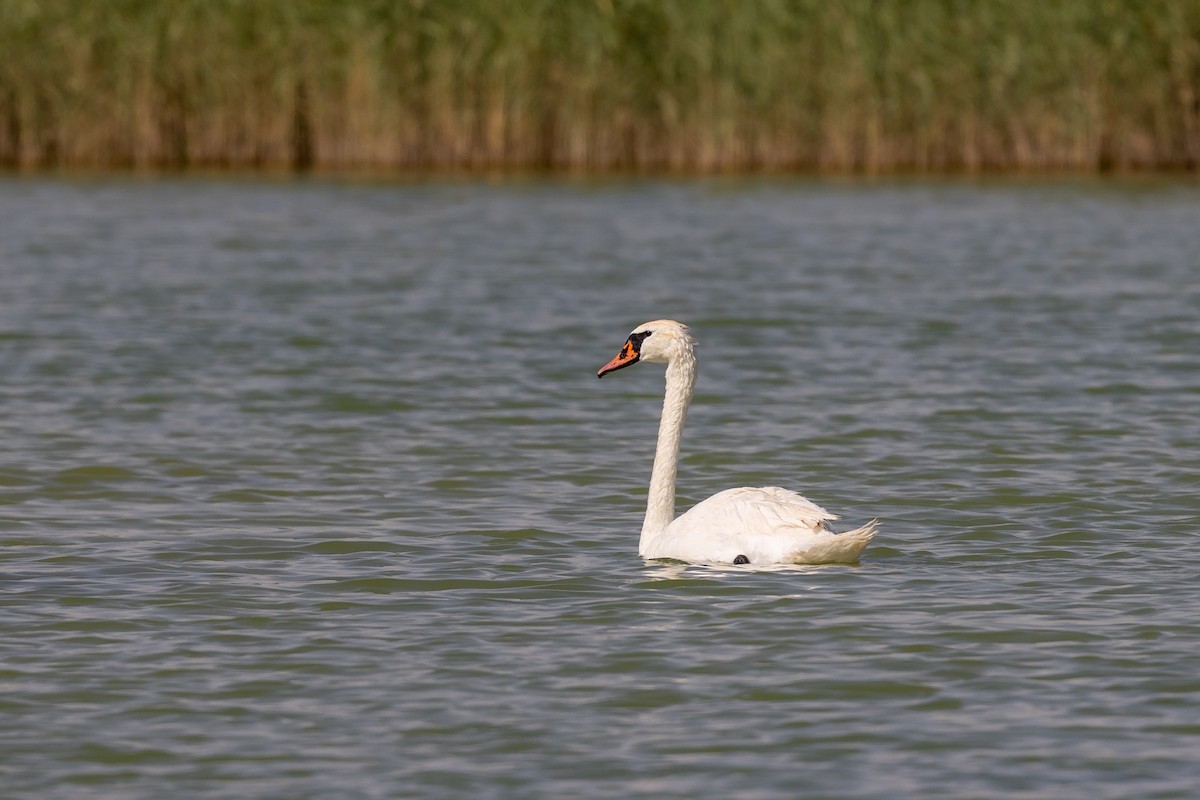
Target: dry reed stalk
<point x="593" y="85"/>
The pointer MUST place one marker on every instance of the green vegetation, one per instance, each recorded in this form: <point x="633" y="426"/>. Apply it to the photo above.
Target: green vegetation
<point x="690" y="85"/>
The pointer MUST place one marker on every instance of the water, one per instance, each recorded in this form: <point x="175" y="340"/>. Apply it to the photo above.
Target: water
<point x="308" y="490"/>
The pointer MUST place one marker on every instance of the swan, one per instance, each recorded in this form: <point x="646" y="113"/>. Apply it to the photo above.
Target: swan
<point x="754" y="526"/>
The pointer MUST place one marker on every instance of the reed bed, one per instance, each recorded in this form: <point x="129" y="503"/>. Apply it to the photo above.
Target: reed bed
<point x="596" y="85"/>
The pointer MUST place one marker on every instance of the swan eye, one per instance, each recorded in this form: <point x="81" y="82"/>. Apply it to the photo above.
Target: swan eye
<point x="636" y="339"/>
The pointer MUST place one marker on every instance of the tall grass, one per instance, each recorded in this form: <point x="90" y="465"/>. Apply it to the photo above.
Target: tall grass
<point x="687" y="85"/>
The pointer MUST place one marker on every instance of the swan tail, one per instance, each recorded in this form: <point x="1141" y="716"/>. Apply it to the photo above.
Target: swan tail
<point x="842" y="548"/>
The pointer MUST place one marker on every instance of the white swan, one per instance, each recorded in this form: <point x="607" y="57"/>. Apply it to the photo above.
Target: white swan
<point x="737" y="526"/>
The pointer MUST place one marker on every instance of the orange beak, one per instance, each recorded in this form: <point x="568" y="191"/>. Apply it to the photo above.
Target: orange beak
<point x="627" y="357"/>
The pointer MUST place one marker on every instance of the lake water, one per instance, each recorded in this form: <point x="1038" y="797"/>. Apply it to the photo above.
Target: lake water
<point x="308" y="489"/>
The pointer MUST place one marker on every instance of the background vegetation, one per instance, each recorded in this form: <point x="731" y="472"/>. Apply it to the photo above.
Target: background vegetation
<point x="695" y="85"/>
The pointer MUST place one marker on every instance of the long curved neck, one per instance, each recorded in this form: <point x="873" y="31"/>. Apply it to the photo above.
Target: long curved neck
<point x="660" y="501"/>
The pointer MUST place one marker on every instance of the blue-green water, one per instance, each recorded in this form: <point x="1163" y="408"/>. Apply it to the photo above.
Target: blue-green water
<point x="308" y="490"/>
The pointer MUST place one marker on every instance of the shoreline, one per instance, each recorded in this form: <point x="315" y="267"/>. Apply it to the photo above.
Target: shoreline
<point x="509" y="177"/>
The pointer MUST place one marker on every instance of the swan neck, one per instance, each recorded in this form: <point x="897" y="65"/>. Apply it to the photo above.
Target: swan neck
<point x="660" y="502"/>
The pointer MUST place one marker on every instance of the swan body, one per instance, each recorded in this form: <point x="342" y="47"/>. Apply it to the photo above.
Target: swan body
<point x="754" y="526"/>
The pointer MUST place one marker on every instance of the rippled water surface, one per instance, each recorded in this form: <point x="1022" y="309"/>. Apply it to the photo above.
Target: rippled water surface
<point x="308" y="490"/>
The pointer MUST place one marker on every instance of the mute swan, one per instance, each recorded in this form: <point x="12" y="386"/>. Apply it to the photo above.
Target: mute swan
<point x="737" y="526"/>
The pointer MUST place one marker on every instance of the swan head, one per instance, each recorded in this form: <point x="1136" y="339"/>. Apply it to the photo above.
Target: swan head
<point x="658" y="341"/>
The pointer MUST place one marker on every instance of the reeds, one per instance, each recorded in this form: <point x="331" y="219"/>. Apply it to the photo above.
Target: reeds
<point x="592" y="85"/>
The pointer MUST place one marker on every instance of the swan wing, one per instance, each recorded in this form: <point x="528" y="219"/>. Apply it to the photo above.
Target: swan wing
<point x="759" y="509"/>
<point x="767" y="525"/>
